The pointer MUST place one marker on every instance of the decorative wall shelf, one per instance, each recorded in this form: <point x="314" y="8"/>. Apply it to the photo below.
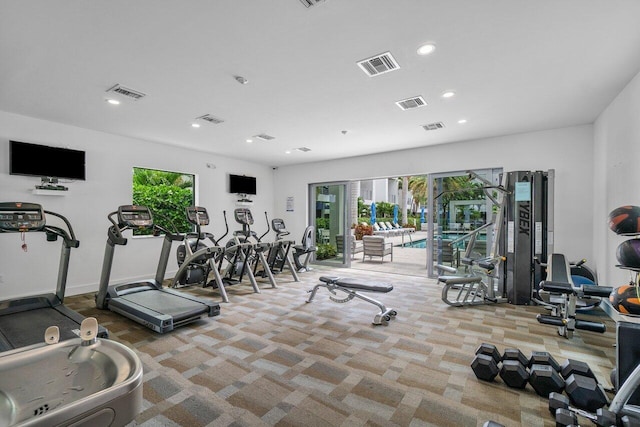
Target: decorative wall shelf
<point x="41" y="192"/>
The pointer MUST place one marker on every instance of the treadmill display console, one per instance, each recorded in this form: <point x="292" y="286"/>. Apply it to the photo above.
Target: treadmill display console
<point x="134" y="216"/>
<point x="197" y="215"/>
<point x="16" y="216"/>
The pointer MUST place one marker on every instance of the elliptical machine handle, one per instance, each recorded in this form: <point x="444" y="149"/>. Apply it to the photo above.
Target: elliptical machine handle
<point x="268" y="227"/>
<point x="226" y="226"/>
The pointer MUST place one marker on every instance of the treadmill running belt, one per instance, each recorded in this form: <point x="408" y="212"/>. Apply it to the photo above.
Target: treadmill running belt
<point x="28" y="327"/>
<point x="165" y="303"/>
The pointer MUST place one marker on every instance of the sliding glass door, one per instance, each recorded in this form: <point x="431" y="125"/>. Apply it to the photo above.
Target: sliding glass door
<point x="460" y="216"/>
<point x="329" y="212"/>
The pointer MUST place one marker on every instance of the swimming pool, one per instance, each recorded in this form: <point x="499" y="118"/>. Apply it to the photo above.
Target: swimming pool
<point x="422" y="243"/>
<point x="419" y="244"/>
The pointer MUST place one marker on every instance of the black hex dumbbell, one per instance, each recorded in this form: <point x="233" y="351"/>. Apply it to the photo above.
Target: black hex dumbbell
<point x="514" y="368"/>
<point x="543" y="358"/>
<point x="571" y="366"/>
<point x="585" y="392"/>
<point x="485" y="363"/>
<point x="544" y="380"/>
<point x="603" y="417"/>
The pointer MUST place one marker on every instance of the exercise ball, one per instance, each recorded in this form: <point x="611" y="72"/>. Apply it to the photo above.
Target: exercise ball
<point x="626" y="299"/>
<point x="625" y="220"/>
<point x="628" y="253"/>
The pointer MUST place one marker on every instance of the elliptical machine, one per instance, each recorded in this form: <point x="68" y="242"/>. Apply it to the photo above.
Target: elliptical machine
<point x="279" y="254"/>
<point x="198" y="268"/>
<point x="255" y="260"/>
<point x="197" y="260"/>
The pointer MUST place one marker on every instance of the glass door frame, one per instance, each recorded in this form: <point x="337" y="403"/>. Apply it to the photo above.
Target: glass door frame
<point x="344" y="228"/>
<point x="494" y="173"/>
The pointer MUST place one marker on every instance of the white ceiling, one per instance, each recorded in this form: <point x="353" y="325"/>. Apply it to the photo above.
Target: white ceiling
<point x="515" y="65"/>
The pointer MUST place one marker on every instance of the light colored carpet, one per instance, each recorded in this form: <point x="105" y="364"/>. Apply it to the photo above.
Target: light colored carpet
<point x="271" y="359"/>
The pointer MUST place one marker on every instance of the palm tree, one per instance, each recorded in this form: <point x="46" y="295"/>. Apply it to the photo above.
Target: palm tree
<point x="461" y="187"/>
<point x="419" y="191"/>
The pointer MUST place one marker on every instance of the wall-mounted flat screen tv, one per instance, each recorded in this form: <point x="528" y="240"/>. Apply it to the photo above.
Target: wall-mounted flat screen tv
<point x="242" y="184"/>
<point x="46" y="162"/>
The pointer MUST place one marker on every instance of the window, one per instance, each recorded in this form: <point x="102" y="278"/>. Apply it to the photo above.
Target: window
<point x="166" y="194"/>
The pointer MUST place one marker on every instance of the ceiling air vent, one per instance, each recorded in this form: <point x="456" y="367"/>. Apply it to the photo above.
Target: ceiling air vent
<point x="126" y="92"/>
<point x="264" y="137"/>
<point x="309" y="3"/>
<point x="211" y="119"/>
<point x="409" y="103"/>
<point x="379" y="64"/>
<point x="433" y="126"/>
<point x="304" y="149"/>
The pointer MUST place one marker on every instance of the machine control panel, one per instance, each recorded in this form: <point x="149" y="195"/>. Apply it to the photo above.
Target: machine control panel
<point x="135" y="216"/>
<point x="243" y="216"/>
<point x="197" y="215"/>
<point x="21" y="217"/>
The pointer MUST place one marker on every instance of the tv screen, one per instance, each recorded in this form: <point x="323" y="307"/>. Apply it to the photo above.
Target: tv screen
<point x="242" y="184"/>
<point x="44" y="161"/>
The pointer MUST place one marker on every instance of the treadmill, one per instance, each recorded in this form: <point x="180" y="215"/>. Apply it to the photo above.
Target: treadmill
<point x="147" y="302"/>
<point x="23" y="321"/>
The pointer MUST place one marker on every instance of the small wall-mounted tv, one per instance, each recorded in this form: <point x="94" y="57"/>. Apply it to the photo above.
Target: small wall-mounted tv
<point x="242" y="184"/>
<point x="46" y="162"/>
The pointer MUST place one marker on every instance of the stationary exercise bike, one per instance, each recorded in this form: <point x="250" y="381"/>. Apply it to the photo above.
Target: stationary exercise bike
<point x="302" y="252"/>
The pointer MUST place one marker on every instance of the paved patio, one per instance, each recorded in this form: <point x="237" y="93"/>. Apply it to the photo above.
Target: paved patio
<point x="406" y="260"/>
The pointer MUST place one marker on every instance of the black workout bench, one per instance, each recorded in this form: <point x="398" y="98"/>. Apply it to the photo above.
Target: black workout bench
<point x="350" y="287"/>
<point x="563" y="297"/>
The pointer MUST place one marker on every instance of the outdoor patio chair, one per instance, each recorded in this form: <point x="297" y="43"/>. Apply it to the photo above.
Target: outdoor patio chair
<point x="398" y="230"/>
<point x="376" y="246"/>
<point x="392" y="231"/>
<point x="356" y="245"/>
<point x="408" y="229"/>
<point x="379" y="231"/>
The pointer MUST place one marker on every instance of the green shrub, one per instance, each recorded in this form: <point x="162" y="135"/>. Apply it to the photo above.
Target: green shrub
<point x="167" y="204"/>
<point x="325" y="250"/>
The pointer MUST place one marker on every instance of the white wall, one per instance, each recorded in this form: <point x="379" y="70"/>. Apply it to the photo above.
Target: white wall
<point x="110" y="160"/>
<point x="568" y="150"/>
<point x="616" y="175"/>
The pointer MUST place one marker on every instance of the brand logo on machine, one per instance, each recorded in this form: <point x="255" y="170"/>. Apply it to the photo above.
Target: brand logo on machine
<point x="524" y="218"/>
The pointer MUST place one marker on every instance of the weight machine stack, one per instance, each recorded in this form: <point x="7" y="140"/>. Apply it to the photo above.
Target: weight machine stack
<point x="529" y="231"/>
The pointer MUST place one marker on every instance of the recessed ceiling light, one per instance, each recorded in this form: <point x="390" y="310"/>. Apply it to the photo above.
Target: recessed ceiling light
<point x="287" y="152"/>
<point x="195" y="125"/>
<point x="448" y="94"/>
<point x="426" y="49"/>
<point x="249" y="141"/>
<point x="113" y="101"/>
<point x="462" y="121"/>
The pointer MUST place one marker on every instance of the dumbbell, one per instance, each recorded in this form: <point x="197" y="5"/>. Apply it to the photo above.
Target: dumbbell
<point x="582" y="387"/>
<point x="559" y="403"/>
<point x="544" y="374"/>
<point x="514" y="368"/>
<point x="485" y="363"/>
<point x="571" y="366"/>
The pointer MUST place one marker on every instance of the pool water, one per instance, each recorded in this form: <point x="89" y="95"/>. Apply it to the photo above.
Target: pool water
<point x="421" y="244"/>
